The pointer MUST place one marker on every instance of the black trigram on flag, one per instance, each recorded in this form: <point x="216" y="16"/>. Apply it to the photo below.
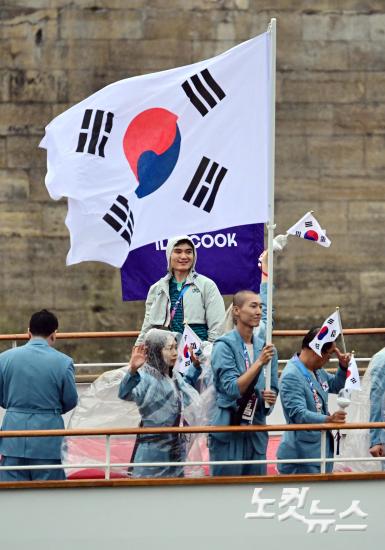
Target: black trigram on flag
<point x="330" y="321"/>
<point x="120" y="218"/>
<point x="204" y="93"/>
<point x="309" y="224"/>
<point x="97" y="136"/>
<point x="207" y="188"/>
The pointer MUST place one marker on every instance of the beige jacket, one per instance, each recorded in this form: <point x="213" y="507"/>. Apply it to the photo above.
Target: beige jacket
<point x="202" y="302"/>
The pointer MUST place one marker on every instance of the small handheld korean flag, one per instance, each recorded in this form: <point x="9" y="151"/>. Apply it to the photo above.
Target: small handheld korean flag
<point x="308" y="228"/>
<point x="329" y="332"/>
<point x="352" y="376"/>
<point x="189" y="339"/>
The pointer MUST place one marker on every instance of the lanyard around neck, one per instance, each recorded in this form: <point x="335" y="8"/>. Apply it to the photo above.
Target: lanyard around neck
<point x="246" y="357"/>
<point x="179" y="299"/>
<point x="305" y="373"/>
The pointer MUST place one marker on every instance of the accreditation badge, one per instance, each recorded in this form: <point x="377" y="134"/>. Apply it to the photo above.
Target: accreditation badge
<point x="248" y="413"/>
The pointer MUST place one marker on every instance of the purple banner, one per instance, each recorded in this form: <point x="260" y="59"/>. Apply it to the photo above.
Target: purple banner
<point x="228" y="256"/>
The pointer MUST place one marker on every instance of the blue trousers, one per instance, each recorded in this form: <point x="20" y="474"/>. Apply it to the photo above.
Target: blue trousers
<point x="159" y="451"/>
<point x="30" y="475"/>
<point x="288" y="469"/>
<point x="238" y="447"/>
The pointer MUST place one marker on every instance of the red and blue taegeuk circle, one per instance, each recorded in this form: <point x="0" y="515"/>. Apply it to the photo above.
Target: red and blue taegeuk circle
<point x="322" y="333"/>
<point x="311" y="235"/>
<point x="151" y="144"/>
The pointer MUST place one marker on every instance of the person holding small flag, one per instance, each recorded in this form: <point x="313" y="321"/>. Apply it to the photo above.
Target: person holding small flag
<point x="304" y="390"/>
<point x="184" y="296"/>
<point x="238" y="362"/>
<point x="164" y="398"/>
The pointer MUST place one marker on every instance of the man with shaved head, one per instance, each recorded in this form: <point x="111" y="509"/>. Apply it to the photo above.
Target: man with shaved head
<point x="238" y="362"/>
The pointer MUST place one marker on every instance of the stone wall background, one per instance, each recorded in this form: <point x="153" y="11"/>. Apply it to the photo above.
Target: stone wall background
<point x="330" y="148"/>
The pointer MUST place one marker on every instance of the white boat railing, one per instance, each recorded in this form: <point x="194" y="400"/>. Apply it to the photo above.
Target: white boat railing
<point x="107" y="465"/>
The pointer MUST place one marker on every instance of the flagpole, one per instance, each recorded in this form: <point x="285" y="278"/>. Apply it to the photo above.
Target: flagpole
<point x="342" y="331"/>
<point x="271" y="225"/>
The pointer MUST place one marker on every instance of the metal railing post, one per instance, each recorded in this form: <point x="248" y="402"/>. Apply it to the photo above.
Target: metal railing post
<point x="323" y="452"/>
<point x="108" y="457"/>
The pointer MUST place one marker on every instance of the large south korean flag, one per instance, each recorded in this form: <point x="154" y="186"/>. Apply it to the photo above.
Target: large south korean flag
<point x="175" y="152"/>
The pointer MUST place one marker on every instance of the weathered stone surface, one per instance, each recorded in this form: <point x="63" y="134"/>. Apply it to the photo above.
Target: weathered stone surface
<point x="302" y="119"/>
<point x="324" y="87"/>
<point x="335" y="27"/>
<point x="329" y="149"/>
<point x="2" y="152"/>
<point x="359" y="118"/>
<point x="20" y="120"/>
<point x="30" y="24"/>
<point x="366" y="56"/>
<point x="20" y="221"/>
<point x="4" y="86"/>
<point x="35" y="86"/>
<point x="23" y="152"/>
<point x="336" y="155"/>
<point x="318" y="56"/>
<point x="375" y="158"/>
<point x="98" y="24"/>
<point x="14" y="185"/>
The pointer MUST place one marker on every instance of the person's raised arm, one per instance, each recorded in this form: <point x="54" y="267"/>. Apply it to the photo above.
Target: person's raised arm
<point x="337" y="381"/>
<point x="264" y="272"/>
<point x="132" y="379"/>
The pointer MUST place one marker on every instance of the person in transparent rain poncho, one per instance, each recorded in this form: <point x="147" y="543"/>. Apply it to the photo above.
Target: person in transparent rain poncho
<point x="367" y="405"/>
<point x="164" y="398"/>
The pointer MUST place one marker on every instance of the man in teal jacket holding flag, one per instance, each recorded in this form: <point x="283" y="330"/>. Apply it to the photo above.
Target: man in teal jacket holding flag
<point x="238" y="361"/>
<point x="304" y="391"/>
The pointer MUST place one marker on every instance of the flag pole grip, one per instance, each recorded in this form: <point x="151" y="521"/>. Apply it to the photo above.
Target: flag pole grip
<point x="271" y="225"/>
<point x="342" y="331"/>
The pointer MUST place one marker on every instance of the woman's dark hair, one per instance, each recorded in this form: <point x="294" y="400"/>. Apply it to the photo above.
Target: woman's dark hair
<point x="310" y="336"/>
<point x="43" y="323"/>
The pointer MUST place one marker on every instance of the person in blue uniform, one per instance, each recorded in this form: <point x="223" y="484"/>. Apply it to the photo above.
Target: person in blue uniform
<point x="164" y="398"/>
<point x="377" y="404"/>
<point x="238" y="360"/>
<point x="304" y="391"/>
<point x="37" y="386"/>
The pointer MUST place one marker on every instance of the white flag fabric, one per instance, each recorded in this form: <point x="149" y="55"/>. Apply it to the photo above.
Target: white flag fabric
<point x="352" y="376"/>
<point x="189" y="339"/>
<point x="181" y="151"/>
<point x="308" y="228"/>
<point x="329" y="332"/>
